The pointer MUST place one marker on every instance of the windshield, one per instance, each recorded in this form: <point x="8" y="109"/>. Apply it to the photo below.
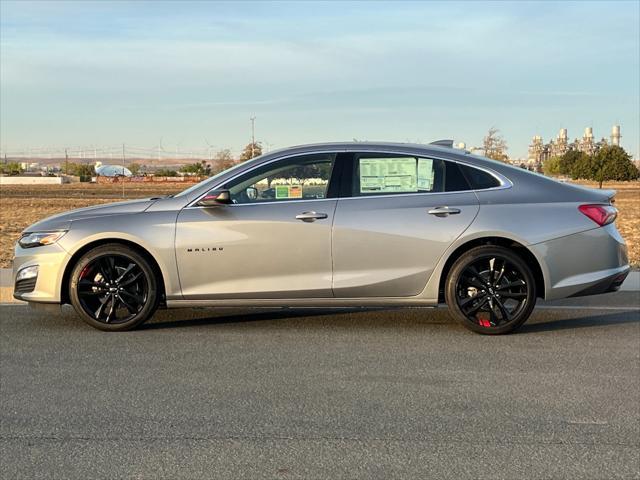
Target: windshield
<point x="210" y="179"/>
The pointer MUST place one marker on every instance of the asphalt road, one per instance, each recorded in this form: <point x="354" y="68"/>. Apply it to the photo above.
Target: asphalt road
<point x="306" y="394"/>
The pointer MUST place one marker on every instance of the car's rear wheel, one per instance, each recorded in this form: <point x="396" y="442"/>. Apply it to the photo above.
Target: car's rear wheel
<point x="113" y="288"/>
<point x="490" y="290"/>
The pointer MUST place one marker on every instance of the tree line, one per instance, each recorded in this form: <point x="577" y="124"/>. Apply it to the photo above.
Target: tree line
<point x="609" y="163"/>
<point x="221" y="161"/>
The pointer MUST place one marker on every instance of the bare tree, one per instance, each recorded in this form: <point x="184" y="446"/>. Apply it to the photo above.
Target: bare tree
<point x="495" y="146"/>
<point x="223" y="160"/>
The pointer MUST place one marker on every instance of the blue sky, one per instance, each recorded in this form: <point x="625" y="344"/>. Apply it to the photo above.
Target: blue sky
<point x="104" y="73"/>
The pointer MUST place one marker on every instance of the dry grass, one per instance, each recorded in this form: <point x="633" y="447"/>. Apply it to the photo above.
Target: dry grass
<point x="22" y="205"/>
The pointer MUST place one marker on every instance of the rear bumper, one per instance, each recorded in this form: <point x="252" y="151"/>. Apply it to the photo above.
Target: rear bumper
<point x="586" y="263"/>
<point x="610" y="284"/>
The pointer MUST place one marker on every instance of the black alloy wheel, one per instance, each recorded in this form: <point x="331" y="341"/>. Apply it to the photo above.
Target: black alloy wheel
<point x="113" y="288"/>
<point x="491" y="290"/>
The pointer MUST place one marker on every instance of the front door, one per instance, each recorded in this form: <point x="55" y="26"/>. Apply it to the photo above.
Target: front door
<point x="273" y="241"/>
<point x="399" y="215"/>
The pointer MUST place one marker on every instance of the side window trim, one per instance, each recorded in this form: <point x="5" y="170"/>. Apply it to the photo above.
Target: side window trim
<point x="335" y="153"/>
<point x="280" y="165"/>
<point x="344" y="176"/>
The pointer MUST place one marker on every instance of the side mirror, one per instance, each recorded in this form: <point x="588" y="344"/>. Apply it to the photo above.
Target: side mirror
<point x="252" y="193"/>
<point x="215" y="198"/>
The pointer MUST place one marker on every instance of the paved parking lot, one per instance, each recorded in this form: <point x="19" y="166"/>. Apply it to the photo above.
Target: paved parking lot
<point x="312" y="394"/>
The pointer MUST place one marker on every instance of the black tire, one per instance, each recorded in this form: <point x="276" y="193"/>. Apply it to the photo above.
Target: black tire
<point x="113" y="288"/>
<point x="490" y="290"/>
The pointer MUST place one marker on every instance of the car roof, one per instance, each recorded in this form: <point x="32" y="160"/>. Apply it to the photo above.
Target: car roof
<point x="369" y="145"/>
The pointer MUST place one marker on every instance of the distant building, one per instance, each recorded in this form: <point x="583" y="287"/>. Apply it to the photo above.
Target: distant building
<point x="561" y="144"/>
<point x="587" y="145"/>
<point x="615" y="135"/>
<point x="539" y="151"/>
<point x="112" y="171"/>
<point x="29" y="167"/>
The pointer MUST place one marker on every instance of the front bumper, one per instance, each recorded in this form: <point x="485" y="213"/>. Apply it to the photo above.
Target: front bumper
<point x="586" y="263"/>
<point x="46" y="287"/>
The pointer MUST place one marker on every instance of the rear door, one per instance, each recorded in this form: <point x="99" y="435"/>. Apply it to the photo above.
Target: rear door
<point x="396" y="217"/>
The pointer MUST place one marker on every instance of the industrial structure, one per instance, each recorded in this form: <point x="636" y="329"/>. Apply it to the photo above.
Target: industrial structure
<point x="112" y="170"/>
<point x="539" y="151"/>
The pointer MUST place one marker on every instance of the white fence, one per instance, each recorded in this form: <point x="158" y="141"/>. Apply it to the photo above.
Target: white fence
<point x="18" y="180"/>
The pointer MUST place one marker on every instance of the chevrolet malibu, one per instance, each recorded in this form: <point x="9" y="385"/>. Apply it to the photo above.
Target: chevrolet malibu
<point x="334" y="225"/>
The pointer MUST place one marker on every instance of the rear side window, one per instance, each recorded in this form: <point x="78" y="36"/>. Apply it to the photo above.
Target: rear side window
<point x="389" y="174"/>
<point x="383" y="174"/>
<point x="478" y="179"/>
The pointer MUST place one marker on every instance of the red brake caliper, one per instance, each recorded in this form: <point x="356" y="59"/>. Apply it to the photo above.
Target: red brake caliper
<point x="84" y="271"/>
<point x="484" y="322"/>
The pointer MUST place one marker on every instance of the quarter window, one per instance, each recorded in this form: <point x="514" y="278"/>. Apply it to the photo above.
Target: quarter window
<point x="305" y="177"/>
<point x="478" y="179"/>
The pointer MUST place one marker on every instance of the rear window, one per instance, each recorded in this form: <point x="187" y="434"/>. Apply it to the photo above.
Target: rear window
<point x="478" y="179"/>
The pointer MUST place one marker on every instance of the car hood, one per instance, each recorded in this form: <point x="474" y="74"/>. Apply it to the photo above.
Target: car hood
<point x="62" y="221"/>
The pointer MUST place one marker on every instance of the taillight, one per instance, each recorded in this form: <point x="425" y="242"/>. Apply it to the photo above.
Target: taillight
<point x="601" y="214"/>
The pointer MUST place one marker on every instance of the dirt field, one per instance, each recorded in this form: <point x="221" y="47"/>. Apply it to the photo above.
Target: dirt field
<point x="22" y="205"/>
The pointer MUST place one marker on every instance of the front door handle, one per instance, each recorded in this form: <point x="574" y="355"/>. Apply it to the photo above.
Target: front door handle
<point x="311" y="216"/>
<point x="443" y="211"/>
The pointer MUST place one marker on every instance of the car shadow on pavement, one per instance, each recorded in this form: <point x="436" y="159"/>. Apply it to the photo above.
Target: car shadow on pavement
<point x="252" y="316"/>
<point x="376" y="317"/>
<point x="598" y="320"/>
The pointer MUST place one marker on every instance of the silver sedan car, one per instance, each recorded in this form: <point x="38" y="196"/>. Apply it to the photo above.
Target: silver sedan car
<point x="334" y="225"/>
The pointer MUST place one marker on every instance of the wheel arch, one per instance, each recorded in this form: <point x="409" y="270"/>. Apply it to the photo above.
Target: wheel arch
<point x="517" y="247"/>
<point x="64" y="286"/>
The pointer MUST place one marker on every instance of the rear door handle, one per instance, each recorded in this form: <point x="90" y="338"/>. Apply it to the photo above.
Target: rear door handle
<point x="443" y="211"/>
<point x="311" y="216"/>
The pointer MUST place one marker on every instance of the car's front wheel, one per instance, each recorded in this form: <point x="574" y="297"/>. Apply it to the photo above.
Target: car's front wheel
<point x="113" y="288"/>
<point x="490" y="290"/>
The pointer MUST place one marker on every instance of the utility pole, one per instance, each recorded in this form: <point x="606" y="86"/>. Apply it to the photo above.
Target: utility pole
<point x="253" y="135"/>
<point x="123" y="170"/>
<point x="66" y="162"/>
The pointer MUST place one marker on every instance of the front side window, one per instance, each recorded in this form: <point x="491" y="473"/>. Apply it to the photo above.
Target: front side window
<point x="304" y="177"/>
<point x="383" y="174"/>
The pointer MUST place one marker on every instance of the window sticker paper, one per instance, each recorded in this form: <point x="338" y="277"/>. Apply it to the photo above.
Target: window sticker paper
<point x="384" y="175"/>
<point x="425" y="174"/>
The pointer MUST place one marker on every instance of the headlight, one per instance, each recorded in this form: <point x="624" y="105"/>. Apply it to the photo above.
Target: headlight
<point x="38" y="239"/>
